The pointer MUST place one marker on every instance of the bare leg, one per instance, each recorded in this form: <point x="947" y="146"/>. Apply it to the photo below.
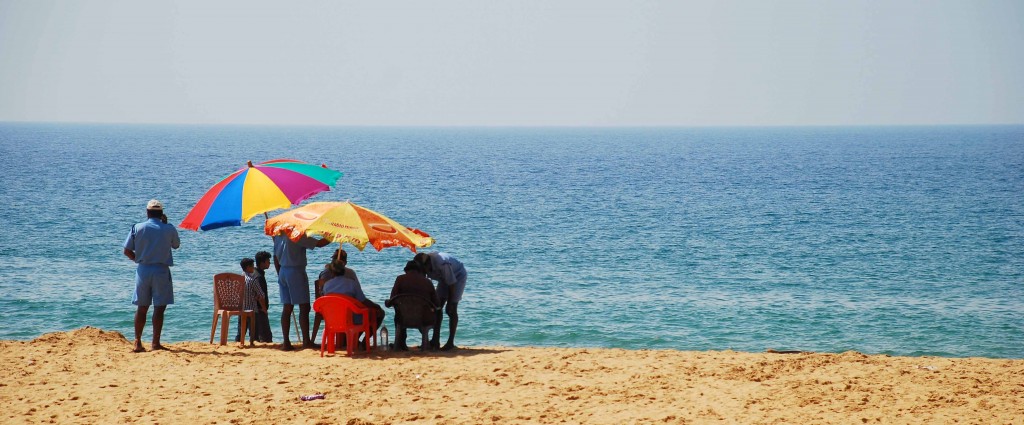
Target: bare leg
<point x="436" y="338"/>
<point x="286" y="314"/>
<point x="401" y="334"/>
<point x="252" y="329"/>
<point x="140" y="323"/>
<point x="158" y="326"/>
<point x="304" y="324"/>
<point x="317" y="318"/>
<point x="453" y="324"/>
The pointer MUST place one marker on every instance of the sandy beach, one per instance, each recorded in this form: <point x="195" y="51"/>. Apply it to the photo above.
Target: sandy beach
<point x="90" y="376"/>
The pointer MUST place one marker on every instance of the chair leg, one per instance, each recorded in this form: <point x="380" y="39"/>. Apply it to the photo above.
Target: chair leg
<point x="225" y="320"/>
<point x="213" y="329"/>
<point x="372" y="325"/>
<point x="323" y="343"/>
<point x="351" y="339"/>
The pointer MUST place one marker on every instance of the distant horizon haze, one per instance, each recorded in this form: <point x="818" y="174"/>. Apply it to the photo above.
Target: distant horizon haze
<point x="528" y="63"/>
<point x="484" y="126"/>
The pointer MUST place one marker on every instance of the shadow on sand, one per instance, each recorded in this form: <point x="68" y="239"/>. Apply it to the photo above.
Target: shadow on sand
<point x="381" y="354"/>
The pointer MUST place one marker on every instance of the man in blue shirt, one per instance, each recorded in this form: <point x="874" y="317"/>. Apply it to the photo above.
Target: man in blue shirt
<point x="450" y="275"/>
<point x="149" y="245"/>
<point x="290" y="262"/>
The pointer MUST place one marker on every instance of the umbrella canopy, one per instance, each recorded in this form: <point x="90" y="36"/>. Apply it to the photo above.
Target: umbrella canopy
<point x="256" y="189"/>
<point x="346" y="222"/>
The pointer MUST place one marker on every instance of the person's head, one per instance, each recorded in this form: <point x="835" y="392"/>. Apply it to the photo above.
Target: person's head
<point x="263" y="260"/>
<point x="248" y="265"/>
<point x="339" y="261"/>
<point x="413" y="267"/>
<point x="423" y="259"/>
<point x="154" y="209"/>
<point x="340" y="255"/>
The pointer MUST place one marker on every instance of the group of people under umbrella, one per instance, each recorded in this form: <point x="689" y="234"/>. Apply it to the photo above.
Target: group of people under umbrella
<point x="277" y="184"/>
<point x="338" y="278"/>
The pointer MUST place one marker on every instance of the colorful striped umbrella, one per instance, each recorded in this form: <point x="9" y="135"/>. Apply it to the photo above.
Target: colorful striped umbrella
<point x="256" y="189"/>
<point x="346" y="222"/>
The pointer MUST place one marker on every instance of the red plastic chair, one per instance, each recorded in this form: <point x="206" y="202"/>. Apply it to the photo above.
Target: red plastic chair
<point x="337" y="311"/>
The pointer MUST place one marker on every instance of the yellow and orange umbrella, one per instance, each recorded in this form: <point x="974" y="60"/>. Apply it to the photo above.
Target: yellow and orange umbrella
<point x="346" y="222"/>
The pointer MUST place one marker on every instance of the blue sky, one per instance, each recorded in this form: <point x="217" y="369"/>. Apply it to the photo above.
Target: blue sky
<point x="578" y="63"/>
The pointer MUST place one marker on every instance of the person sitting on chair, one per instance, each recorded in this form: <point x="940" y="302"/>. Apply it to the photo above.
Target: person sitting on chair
<point x="413" y="282"/>
<point x="345" y="282"/>
<point x="327" y="274"/>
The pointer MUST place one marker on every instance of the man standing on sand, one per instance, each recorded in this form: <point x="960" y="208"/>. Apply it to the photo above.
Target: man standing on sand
<point x="450" y="275"/>
<point x="290" y="263"/>
<point x="149" y="245"/>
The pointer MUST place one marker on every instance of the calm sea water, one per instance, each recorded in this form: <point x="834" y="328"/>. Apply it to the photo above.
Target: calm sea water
<point x="900" y="240"/>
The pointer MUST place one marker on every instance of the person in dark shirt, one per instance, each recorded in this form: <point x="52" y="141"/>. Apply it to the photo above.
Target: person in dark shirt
<point x="413" y="282"/>
<point x="263" y="330"/>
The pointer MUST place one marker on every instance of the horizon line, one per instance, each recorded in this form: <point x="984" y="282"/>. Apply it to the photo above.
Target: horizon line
<point x="609" y="126"/>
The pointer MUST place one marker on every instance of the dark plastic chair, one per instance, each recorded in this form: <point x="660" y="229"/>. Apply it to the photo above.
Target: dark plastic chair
<point x="337" y="311"/>
<point x="412" y="312"/>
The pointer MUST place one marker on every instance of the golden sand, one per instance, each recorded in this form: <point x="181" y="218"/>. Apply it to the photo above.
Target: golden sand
<point x="90" y="376"/>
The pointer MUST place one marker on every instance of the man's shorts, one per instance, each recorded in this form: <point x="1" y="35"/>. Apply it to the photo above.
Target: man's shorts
<point x="153" y="286"/>
<point x="294" y="285"/>
<point x="451" y="294"/>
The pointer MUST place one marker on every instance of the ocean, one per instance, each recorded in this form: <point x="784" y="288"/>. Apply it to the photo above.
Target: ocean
<point x="882" y="240"/>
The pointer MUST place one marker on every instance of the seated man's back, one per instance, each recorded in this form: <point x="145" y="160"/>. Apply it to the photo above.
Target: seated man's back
<point x="415" y="284"/>
<point x="345" y="286"/>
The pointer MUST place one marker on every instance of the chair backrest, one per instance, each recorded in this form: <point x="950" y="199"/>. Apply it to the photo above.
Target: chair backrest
<point x="338" y="309"/>
<point x="228" y="291"/>
<point x="318" y="288"/>
<point x="415" y="311"/>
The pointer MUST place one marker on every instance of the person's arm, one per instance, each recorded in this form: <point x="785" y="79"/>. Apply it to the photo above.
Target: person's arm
<point x="277" y="253"/>
<point x="311" y="243"/>
<point x="318" y="287"/>
<point x="434" y="298"/>
<point x="260" y="295"/>
<point x="129" y="245"/>
<point x="175" y="242"/>
<point x="394" y="289"/>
